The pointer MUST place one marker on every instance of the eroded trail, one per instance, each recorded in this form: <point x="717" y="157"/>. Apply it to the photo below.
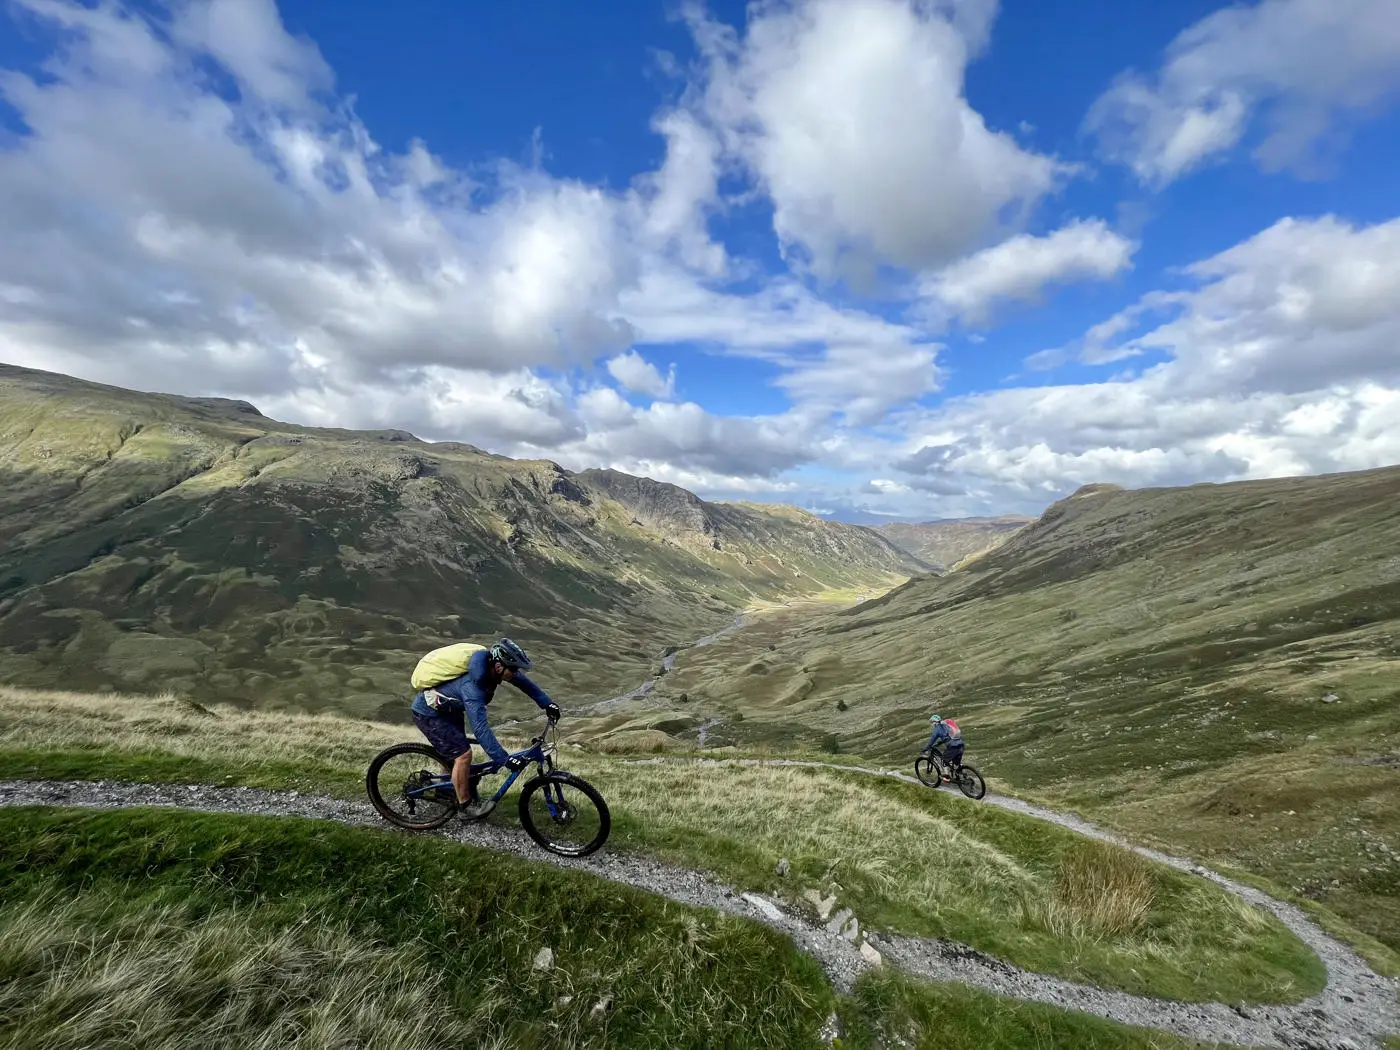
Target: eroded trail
<point x="1357" y="1008"/>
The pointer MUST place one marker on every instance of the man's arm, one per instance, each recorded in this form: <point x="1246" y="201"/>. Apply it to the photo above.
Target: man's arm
<point x="481" y="729"/>
<point x="530" y="689"/>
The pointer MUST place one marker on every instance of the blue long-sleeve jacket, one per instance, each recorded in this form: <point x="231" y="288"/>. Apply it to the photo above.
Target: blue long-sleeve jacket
<point x="469" y="694"/>
<point x="940" y="733"/>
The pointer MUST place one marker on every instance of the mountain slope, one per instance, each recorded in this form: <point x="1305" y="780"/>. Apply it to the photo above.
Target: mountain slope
<point x="947" y="542"/>
<point x="149" y="540"/>
<point x="1215" y="666"/>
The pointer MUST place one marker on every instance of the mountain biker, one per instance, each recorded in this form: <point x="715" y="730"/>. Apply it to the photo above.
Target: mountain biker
<point x="945" y="729"/>
<point x="438" y="713"/>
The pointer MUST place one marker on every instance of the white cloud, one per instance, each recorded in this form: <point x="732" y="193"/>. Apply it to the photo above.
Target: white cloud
<point x="248" y="39"/>
<point x="1283" y="360"/>
<point x="851" y="114"/>
<point x="860" y="382"/>
<point x="214" y="225"/>
<point x="1301" y="67"/>
<point x="166" y="229"/>
<point x="640" y="376"/>
<point x="1300" y="306"/>
<point x="1023" y="266"/>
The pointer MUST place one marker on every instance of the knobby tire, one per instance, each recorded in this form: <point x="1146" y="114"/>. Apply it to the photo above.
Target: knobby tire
<point x="541" y="835"/>
<point x="380" y="803"/>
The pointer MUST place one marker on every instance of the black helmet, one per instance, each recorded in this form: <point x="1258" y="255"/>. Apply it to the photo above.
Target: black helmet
<point x="510" y="655"/>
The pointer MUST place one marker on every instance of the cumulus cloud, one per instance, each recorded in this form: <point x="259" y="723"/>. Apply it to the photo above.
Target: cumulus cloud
<point x="640" y="376"/>
<point x="1301" y="68"/>
<point x="851" y="114"/>
<point x="1021" y="267"/>
<point x="191" y="201"/>
<point x="146" y="211"/>
<point x="1282" y="360"/>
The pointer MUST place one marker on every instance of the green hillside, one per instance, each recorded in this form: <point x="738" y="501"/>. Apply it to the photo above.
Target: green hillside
<point x="1214" y="667"/>
<point x="945" y="543"/>
<point x="154" y="541"/>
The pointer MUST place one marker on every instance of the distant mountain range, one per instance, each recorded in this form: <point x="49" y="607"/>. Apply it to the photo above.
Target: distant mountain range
<point x="949" y="541"/>
<point x="151" y="541"/>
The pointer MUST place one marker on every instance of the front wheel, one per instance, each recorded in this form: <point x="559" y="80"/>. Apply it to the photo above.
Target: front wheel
<point x="929" y="770"/>
<point x="970" y="782"/>
<point x="564" y="814"/>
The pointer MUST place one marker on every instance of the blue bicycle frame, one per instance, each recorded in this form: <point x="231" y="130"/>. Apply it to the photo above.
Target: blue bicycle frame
<point x="535" y="754"/>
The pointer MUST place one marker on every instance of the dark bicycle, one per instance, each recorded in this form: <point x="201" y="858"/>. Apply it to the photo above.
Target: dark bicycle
<point x="933" y="769"/>
<point x="410" y="785"/>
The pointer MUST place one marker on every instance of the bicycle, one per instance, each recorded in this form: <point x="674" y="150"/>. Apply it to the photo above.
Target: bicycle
<point x="932" y="769"/>
<point x="563" y="813"/>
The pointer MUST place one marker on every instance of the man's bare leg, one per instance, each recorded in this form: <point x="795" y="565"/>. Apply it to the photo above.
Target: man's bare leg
<point x="461" y="771"/>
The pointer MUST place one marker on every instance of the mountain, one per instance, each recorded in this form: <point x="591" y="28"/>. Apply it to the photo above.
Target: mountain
<point x="1216" y="667"/>
<point x="946" y="542"/>
<point x="152" y="541"/>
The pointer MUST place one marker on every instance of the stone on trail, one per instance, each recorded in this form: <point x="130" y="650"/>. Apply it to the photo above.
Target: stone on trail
<point x="823" y="904"/>
<point x="846" y="924"/>
<point x="544" y="959"/>
<point x="764" y="905"/>
<point x="870" y="954"/>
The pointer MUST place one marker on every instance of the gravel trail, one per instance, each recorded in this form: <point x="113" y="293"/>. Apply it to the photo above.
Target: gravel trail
<point x="1356" y="1009"/>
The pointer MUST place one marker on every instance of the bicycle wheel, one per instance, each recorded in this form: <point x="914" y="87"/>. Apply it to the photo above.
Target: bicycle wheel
<point x="970" y="782"/>
<point x="564" y="814"/>
<point x="929" y="770"/>
<point x="392" y="778"/>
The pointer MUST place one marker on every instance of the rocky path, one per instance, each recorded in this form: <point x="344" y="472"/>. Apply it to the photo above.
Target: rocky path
<point x="1357" y="1008"/>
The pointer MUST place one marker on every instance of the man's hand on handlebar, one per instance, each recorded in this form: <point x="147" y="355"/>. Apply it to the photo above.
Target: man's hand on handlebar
<point x="551" y="712"/>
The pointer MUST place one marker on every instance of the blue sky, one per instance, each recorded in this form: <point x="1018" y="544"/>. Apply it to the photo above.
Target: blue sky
<point x="879" y="258"/>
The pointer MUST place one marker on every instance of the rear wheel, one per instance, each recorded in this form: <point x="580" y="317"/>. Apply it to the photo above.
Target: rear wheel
<point x="400" y="783"/>
<point x="970" y="782"/>
<point x="929" y="770"/>
<point x="564" y="814"/>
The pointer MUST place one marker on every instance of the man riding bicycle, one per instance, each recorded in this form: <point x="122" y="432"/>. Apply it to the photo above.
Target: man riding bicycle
<point x="439" y="713"/>
<point x="945" y="730"/>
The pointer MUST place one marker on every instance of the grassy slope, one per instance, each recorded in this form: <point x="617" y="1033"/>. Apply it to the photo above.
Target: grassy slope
<point x="236" y="932"/>
<point x="908" y="860"/>
<point x="1156" y="659"/>
<point x="258" y="932"/>
<point x="150" y="541"/>
<point x="943" y="544"/>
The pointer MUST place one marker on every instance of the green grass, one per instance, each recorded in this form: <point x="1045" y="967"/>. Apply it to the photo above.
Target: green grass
<point x="157" y="929"/>
<point x="919" y="862"/>
<point x="888" y="1009"/>
<point x="907" y="859"/>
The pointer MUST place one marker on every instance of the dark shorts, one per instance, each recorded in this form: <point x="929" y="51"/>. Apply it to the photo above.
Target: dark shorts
<point x="953" y="754"/>
<point x="445" y="732"/>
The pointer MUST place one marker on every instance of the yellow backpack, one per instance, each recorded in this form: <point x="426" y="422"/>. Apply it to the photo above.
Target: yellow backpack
<point x="443" y="665"/>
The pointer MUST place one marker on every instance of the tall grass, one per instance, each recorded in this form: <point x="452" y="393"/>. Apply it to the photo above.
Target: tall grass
<point x="170" y="972"/>
<point x="164" y="929"/>
<point x="1101" y="891"/>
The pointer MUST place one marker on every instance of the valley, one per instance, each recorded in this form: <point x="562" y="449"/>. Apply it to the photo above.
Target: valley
<point x="149" y="541"/>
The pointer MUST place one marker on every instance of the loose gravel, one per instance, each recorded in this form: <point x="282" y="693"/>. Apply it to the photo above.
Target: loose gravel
<point x="1356" y="1009"/>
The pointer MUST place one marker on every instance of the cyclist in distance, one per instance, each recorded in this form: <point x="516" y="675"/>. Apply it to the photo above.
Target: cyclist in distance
<point x="946" y="730"/>
<point x="439" y="713"/>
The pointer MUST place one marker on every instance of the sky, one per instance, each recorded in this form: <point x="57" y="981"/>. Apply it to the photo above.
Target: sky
<point x="881" y="259"/>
